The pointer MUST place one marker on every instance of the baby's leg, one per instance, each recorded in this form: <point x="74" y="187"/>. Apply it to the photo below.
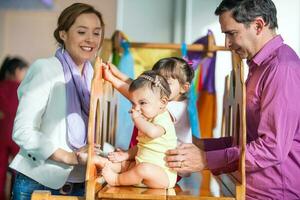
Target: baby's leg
<point x="151" y="175"/>
<point x="110" y="174"/>
<point x="101" y="162"/>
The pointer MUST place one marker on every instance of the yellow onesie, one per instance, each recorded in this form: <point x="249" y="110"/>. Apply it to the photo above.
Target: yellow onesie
<point x="153" y="150"/>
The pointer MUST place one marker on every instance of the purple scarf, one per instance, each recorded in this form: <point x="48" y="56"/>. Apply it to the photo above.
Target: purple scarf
<point x="78" y="98"/>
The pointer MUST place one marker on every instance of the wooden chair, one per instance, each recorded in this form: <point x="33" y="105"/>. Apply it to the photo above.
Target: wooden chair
<point x="102" y="127"/>
<point x="232" y="185"/>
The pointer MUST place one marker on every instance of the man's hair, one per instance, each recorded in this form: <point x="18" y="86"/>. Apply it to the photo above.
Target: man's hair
<point x="245" y="11"/>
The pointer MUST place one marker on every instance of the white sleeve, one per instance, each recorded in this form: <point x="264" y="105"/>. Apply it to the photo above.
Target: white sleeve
<point x="177" y="109"/>
<point x="33" y="95"/>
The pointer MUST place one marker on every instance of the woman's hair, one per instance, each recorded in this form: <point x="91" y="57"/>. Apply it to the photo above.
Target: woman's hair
<point x="245" y="11"/>
<point x="70" y="14"/>
<point x="10" y="65"/>
<point x="153" y="81"/>
<point x="176" y="68"/>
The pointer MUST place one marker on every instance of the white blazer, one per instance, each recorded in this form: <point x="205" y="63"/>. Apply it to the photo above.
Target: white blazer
<point x="40" y="124"/>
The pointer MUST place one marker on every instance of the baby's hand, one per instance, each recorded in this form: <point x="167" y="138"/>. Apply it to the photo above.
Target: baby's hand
<point x="134" y="113"/>
<point x="118" y="156"/>
<point x="107" y="74"/>
<point x="114" y="70"/>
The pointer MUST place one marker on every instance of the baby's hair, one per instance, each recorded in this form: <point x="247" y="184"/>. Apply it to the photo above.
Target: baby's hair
<point x="152" y="80"/>
<point x="176" y="68"/>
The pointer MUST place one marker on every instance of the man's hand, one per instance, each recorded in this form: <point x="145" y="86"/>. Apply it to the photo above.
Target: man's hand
<point x="186" y="158"/>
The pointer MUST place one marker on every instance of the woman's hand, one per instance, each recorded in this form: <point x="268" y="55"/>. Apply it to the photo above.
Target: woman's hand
<point x="82" y="153"/>
<point x="186" y="158"/>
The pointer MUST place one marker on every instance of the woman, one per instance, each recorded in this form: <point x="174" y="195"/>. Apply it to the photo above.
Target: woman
<point x="51" y="122"/>
<point x="12" y="73"/>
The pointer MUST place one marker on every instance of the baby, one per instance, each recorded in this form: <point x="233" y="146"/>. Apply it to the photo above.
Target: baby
<point x="149" y="94"/>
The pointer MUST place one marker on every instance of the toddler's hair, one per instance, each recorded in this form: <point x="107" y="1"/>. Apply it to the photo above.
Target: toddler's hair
<point x="176" y="68"/>
<point x="152" y="80"/>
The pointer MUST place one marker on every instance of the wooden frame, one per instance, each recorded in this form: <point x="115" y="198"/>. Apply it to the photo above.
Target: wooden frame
<point x="232" y="184"/>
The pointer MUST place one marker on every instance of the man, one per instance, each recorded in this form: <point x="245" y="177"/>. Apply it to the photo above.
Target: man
<point x="272" y="107"/>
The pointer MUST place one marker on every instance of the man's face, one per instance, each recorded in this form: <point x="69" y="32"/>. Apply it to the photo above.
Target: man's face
<point x="238" y="37"/>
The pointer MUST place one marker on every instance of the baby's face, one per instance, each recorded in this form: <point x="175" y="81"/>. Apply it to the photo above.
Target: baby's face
<point x="147" y="102"/>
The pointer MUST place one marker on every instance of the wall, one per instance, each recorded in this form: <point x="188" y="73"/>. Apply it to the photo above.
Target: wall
<point x="29" y="33"/>
<point x="146" y="20"/>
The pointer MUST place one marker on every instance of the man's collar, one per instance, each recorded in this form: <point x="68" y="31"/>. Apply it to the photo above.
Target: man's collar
<point x="266" y="50"/>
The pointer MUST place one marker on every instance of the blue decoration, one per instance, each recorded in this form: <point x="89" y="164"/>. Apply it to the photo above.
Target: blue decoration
<point x="125" y="125"/>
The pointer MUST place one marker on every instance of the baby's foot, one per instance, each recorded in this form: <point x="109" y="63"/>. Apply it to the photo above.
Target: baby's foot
<point x="100" y="161"/>
<point x="110" y="176"/>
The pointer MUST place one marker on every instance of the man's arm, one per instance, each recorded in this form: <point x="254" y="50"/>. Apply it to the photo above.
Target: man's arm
<point x="279" y="119"/>
<point x="210" y="144"/>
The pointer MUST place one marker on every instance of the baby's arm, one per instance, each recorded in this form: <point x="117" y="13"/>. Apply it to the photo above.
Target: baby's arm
<point x="117" y="73"/>
<point x="119" y="155"/>
<point x="120" y="82"/>
<point x="148" y="128"/>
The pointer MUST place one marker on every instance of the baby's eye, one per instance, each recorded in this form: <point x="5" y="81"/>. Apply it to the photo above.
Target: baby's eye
<point x="97" y="33"/>
<point x="81" y="32"/>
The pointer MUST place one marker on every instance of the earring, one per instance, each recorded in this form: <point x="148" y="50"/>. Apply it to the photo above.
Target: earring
<point x="63" y="49"/>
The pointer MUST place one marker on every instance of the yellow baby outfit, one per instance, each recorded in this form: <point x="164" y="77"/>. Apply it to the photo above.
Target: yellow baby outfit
<point x="153" y="150"/>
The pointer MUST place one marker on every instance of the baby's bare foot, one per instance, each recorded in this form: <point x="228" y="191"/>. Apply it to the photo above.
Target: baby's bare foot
<point x="110" y="176"/>
<point x="100" y="161"/>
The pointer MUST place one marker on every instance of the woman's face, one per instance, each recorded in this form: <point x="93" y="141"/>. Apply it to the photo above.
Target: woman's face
<point x="82" y="40"/>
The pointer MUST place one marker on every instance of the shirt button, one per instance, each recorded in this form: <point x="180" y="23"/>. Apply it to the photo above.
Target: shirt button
<point x="33" y="158"/>
<point x="29" y="155"/>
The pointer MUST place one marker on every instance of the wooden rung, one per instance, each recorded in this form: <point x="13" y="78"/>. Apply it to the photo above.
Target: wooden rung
<point x="46" y="195"/>
<point x="192" y="47"/>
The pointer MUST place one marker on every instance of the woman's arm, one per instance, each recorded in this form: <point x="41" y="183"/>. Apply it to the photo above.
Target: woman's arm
<point x="62" y="156"/>
<point x="33" y="94"/>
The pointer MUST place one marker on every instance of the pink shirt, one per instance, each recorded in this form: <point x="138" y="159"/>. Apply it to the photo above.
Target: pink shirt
<point x="273" y="126"/>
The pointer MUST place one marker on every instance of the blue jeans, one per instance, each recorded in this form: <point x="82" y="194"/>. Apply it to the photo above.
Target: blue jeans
<point x="24" y="187"/>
